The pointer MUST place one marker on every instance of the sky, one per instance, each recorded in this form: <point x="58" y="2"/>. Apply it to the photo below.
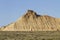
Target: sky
<point x="11" y="10"/>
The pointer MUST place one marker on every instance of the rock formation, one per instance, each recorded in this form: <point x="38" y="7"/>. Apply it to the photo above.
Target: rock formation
<point x="31" y="21"/>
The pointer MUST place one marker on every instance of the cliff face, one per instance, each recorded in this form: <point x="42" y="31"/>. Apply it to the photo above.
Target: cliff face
<point x="33" y="22"/>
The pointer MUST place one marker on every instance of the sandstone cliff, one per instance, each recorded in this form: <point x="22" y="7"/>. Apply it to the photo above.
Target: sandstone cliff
<point x="31" y="21"/>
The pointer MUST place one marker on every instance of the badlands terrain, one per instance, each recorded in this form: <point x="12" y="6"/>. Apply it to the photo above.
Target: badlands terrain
<point x="32" y="26"/>
<point x="31" y="21"/>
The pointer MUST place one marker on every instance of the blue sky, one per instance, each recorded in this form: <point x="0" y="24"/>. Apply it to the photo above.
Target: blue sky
<point x="11" y="10"/>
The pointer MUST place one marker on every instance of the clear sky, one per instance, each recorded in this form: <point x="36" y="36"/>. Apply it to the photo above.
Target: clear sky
<point x="11" y="10"/>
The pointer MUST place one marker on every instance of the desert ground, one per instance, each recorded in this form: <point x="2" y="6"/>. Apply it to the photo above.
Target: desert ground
<point x="26" y="35"/>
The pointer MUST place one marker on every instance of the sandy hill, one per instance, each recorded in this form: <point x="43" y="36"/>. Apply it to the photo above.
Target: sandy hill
<point x="31" y="21"/>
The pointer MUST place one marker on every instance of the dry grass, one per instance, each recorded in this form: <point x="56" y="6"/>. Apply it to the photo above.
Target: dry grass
<point x="29" y="35"/>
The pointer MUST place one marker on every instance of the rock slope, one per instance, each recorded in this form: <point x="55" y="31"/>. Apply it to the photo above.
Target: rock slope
<point x="31" y="21"/>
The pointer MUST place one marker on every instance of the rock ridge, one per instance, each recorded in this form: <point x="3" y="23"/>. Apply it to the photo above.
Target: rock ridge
<point x="31" y="21"/>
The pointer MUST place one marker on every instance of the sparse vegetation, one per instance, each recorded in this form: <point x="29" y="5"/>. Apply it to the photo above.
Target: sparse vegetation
<point x="11" y="35"/>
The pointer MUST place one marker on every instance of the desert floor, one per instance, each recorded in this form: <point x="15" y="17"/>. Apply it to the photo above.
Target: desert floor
<point x="37" y="35"/>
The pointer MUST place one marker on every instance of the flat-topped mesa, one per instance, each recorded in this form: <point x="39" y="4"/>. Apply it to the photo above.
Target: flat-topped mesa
<point x="30" y="13"/>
